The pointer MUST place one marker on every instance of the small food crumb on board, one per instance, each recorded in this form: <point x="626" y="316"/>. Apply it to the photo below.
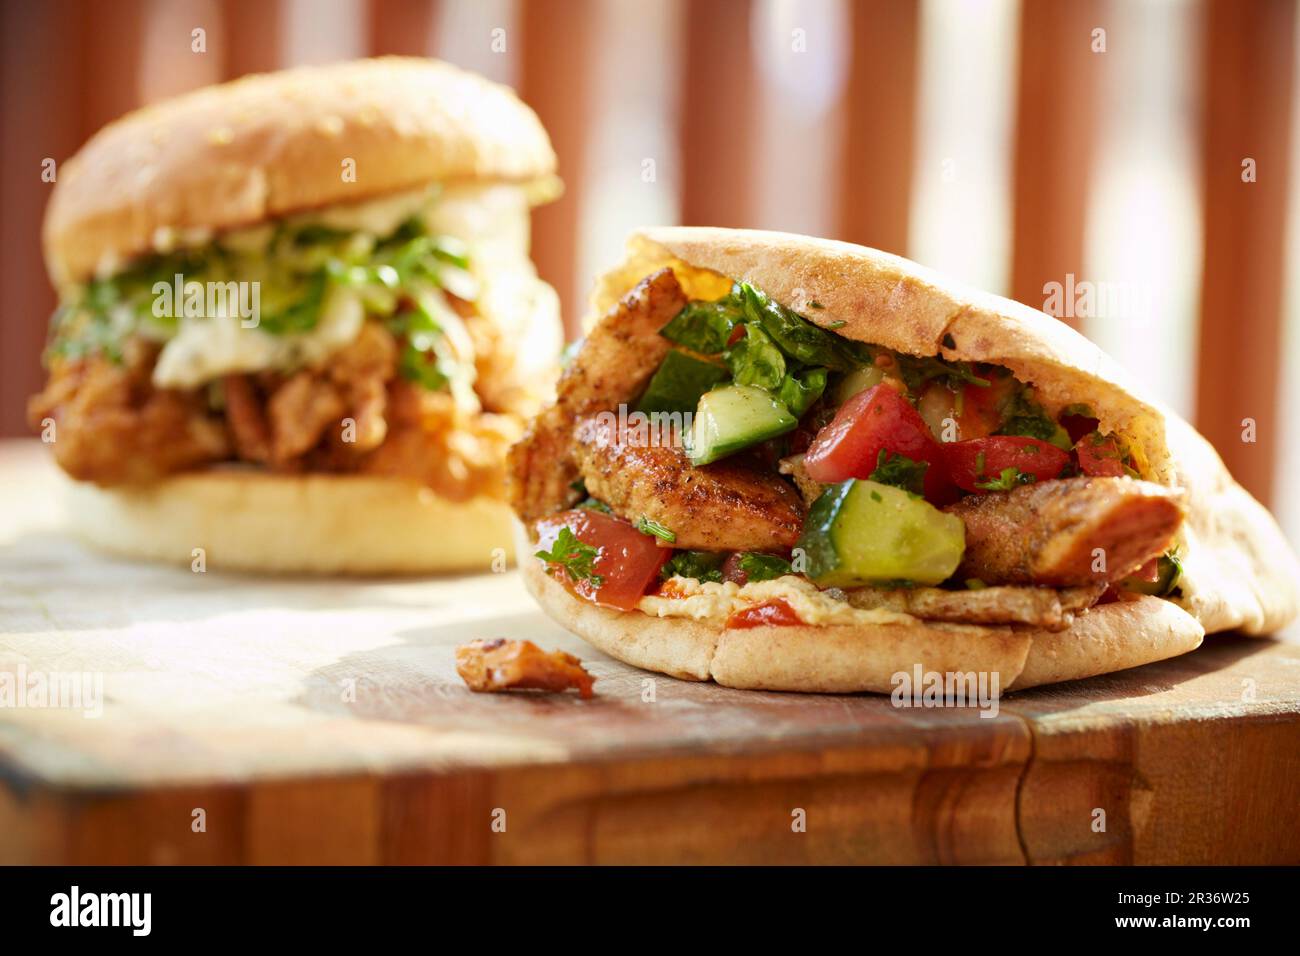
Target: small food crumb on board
<point x="498" y="664"/>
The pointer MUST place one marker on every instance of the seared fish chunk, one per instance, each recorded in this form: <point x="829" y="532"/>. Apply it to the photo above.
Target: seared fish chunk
<point x="726" y="506"/>
<point x="614" y="365"/>
<point x="1067" y="533"/>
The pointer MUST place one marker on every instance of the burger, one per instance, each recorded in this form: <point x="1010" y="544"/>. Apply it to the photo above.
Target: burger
<point x="793" y="464"/>
<point x="298" y="326"/>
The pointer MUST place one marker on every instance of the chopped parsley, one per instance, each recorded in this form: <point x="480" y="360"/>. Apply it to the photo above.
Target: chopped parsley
<point x="1023" y="416"/>
<point x="762" y="567"/>
<point x="653" y="528"/>
<point x="900" y="472"/>
<point x="575" y="557"/>
<point x="1011" y="477"/>
<point x="702" y="565"/>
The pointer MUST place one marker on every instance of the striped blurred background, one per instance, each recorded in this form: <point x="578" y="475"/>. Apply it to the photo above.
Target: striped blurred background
<point x="1137" y="150"/>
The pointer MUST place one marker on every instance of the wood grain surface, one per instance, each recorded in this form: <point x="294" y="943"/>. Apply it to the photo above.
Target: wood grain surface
<point x="322" y="721"/>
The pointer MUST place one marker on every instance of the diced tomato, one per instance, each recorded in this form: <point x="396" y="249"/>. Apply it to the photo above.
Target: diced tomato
<point x="628" y="561"/>
<point x="1100" y="456"/>
<point x="1076" y="426"/>
<point x="774" y="613"/>
<point x="980" y="460"/>
<point x="875" y="420"/>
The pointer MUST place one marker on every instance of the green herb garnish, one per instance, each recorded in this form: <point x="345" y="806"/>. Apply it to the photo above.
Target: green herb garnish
<point x="702" y="565"/>
<point x="647" y="525"/>
<point x="1023" y="416"/>
<point x="576" y="558"/>
<point x="901" y="472"/>
<point x="762" y="567"/>
<point x="1011" y="477"/>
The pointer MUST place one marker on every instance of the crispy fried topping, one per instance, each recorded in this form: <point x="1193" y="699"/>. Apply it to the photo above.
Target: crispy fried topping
<point x="488" y="666"/>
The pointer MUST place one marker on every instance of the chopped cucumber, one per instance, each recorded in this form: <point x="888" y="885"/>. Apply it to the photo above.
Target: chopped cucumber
<point x="735" y="417"/>
<point x="862" y="532"/>
<point x="856" y="381"/>
<point x="679" y="383"/>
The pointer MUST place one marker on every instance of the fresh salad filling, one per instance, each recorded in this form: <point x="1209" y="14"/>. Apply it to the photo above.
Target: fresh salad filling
<point x="356" y="338"/>
<point x="303" y="271"/>
<point x="911" y="473"/>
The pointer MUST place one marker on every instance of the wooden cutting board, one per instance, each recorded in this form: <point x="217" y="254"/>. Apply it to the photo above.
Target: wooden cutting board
<point x="287" y="720"/>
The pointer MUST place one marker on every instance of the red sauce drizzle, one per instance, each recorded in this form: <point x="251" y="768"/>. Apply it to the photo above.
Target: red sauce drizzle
<point x="774" y="613"/>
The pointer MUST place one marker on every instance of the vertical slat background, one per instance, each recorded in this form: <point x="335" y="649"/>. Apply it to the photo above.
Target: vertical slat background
<point x="875" y="182"/>
<point x="111" y="60"/>
<point x="31" y="130"/>
<point x="555" y="78"/>
<point x="401" y="26"/>
<point x="1057" y="100"/>
<point x="1247" y="114"/>
<point x="252" y="35"/>
<point x="717" y="114"/>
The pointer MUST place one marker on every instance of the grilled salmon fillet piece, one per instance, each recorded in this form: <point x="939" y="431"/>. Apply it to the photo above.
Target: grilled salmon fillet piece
<point x="726" y="506"/>
<point x="1049" y="533"/>
<point x="614" y="365"/>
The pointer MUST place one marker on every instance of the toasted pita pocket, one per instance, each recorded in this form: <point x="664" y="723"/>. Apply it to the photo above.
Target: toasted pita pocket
<point x="1238" y="570"/>
<point x="844" y="659"/>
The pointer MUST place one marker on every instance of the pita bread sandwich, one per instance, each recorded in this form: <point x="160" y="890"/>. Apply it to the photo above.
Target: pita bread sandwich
<point x="794" y="464"/>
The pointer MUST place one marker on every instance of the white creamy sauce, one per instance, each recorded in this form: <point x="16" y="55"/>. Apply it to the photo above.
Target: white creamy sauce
<point x="206" y="348"/>
<point x="379" y="217"/>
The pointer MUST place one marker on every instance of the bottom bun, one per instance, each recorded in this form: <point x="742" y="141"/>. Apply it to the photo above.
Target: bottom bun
<point x="846" y="658"/>
<point x="314" y="523"/>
